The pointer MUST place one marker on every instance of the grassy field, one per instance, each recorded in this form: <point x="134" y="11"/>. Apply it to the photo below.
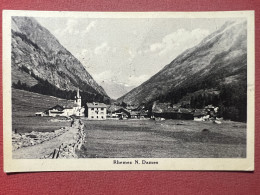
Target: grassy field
<point x="164" y="139"/>
<point x="24" y="106"/>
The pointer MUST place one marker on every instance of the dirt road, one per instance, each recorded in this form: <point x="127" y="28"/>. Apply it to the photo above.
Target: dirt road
<point x="47" y="147"/>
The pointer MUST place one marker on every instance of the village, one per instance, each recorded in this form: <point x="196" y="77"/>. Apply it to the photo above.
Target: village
<point x="72" y="129"/>
<point x="101" y="111"/>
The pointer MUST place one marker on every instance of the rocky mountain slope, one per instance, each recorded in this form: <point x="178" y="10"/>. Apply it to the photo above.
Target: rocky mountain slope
<point x="38" y="55"/>
<point x="219" y="59"/>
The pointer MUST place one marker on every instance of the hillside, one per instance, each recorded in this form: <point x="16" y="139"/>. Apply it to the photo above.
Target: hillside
<point x="218" y="60"/>
<point x="37" y="56"/>
<point x="25" y="103"/>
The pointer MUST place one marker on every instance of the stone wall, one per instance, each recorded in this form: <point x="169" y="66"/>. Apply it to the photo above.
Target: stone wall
<point x="20" y="140"/>
<point x="68" y="148"/>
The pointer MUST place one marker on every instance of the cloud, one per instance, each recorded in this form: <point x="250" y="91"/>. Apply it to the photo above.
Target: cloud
<point x="90" y="26"/>
<point x="156" y="46"/>
<point x="131" y="80"/>
<point x="103" y="48"/>
<point x="179" y="41"/>
<point x="70" y="28"/>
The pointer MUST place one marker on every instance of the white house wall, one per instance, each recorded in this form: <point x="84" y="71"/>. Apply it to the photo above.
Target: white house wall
<point x="97" y="113"/>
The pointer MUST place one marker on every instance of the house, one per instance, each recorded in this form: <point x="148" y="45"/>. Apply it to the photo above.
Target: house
<point x="165" y="110"/>
<point x="68" y="109"/>
<point x="57" y="110"/>
<point x="201" y="115"/>
<point x="209" y="108"/>
<point x="131" y="108"/>
<point x="135" y="114"/>
<point x="212" y="111"/>
<point x="144" y="114"/>
<point x="117" y="112"/>
<point x="39" y="114"/>
<point x="96" y="111"/>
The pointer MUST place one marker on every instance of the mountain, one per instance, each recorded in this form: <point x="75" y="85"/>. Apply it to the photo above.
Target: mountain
<point x="114" y="89"/>
<point x="39" y="60"/>
<point x="218" y="60"/>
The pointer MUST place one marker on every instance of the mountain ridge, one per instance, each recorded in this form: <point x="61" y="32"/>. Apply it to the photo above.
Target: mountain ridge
<point x="38" y="55"/>
<point x="213" y="55"/>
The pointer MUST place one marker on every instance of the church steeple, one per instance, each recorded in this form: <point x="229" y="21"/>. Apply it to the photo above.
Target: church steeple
<point x="78" y="99"/>
<point x="78" y="96"/>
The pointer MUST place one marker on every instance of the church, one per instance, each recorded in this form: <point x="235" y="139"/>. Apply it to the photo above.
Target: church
<point x="78" y="110"/>
<point x="71" y="108"/>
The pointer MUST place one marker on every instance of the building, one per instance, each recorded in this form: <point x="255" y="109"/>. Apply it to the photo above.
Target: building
<point x="39" y="114"/>
<point x="77" y="108"/>
<point x="166" y="111"/>
<point x="96" y="111"/>
<point x="135" y="114"/>
<point x="69" y="109"/>
<point x="57" y="110"/>
<point x="64" y="110"/>
<point x="143" y="114"/>
<point x="201" y="115"/>
<point x="117" y="112"/>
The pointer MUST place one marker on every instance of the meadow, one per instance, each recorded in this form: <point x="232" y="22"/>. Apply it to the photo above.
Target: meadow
<point x="24" y="106"/>
<point x="164" y="139"/>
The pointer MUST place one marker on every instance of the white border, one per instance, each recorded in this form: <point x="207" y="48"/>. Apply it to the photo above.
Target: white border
<point x="31" y="165"/>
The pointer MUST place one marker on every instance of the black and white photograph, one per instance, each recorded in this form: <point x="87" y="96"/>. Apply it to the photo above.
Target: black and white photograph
<point x="128" y="91"/>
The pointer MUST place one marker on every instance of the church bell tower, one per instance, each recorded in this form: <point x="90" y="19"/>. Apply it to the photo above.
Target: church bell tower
<point x="78" y="99"/>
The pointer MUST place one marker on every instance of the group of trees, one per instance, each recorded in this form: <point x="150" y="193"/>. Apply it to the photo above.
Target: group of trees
<point x="231" y="99"/>
<point x="47" y="88"/>
<point x="203" y="99"/>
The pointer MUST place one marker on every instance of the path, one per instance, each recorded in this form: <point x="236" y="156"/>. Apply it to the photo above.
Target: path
<point x="47" y="147"/>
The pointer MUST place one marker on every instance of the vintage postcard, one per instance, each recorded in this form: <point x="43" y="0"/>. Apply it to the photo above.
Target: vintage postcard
<point x="128" y="90"/>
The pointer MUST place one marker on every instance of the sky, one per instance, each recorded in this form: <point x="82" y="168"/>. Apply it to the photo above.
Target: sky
<point x="128" y="51"/>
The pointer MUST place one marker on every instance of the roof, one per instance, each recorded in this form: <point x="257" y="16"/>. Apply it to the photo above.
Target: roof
<point x="134" y="113"/>
<point x="38" y="112"/>
<point x="57" y="107"/>
<point x="143" y="113"/>
<point x="167" y="108"/>
<point x="96" y="105"/>
<point x="131" y="107"/>
<point x="200" y="112"/>
<point x="70" y="104"/>
<point x="163" y="107"/>
<point x="209" y="107"/>
<point x="185" y="110"/>
<point x="113" y="108"/>
<point x="57" y="112"/>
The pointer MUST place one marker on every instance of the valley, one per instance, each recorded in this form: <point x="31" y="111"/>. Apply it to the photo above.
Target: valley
<point x="194" y="107"/>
